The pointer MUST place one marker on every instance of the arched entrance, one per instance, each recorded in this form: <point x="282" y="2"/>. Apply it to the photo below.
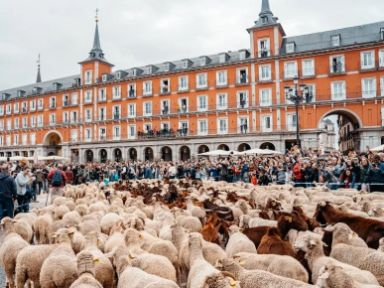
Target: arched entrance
<point x="132" y="153"/>
<point x="340" y="130"/>
<point x="118" y="156"/>
<point x="268" y="145"/>
<point x="103" y="155"/>
<point x="89" y="155"/>
<point x="202" y="149"/>
<point x="244" y="147"/>
<point x="148" y="154"/>
<point x="52" y="143"/>
<point x="185" y="153"/>
<point x="166" y="154"/>
<point x="223" y="147"/>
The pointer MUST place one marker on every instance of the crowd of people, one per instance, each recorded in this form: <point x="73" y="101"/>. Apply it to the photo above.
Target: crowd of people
<point x="23" y="181"/>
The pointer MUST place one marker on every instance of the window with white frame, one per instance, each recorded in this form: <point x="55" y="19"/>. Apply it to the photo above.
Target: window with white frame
<point x="147" y="127"/>
<point x="221" y="78"/>
<point x="88" y="77"/>
<point x="40" y="121"/>
<point x="309" y="93"/>
<point x="24" y="139"/>
<point x="74" y="118"/>
<point x="266" y="123"/>
<point x="102" y="94"/>
<point x="183" y="83"/>
<point x="336" y="40"/>
<point x="116" y="112"/>
<point x="367" y="59"/>
<point x="8" y="140"/>
<point x="32" y="105"/>
<point x="74" y="135"/>
<point x="202" y="103"/>
<point x="116" y="92"/>
<point x="147" y="88"/>
<point x="102" y="114"/>
<point x="165" y="110"/>
<point x="102" y="133"/>
<point x="222" y="101"/>
<point x="24" y="122"/>
<point x="116" y="133"/>
<point x="264" y="48"/>
<point x="202" y="127"/>
<point x="65" y="100"/>
<point x="242" y="76"/>
<point x="1" y="110"/>
<point x="201" y="80"/>
<point x="8" y="109"/>
<point x="65" y="117"/>
<point x="290" y="69"/>
<point x="24" y="107"/>
<point x="291" y="121"/>
<point x="382" y="85"/>
<point x="382" y="116"/>
<point x="52" y="102"/>
<point x="338" y="90"/>
<point x="16" y="107"/>
<point x="33" y="121"/>
<point x="381" y="58"/>
<point x="308" y="67"/>
<point x="165" y="86"/>
<point x="183" y="105"/>
<point x="1" y="125"/>
<point x="131" y="110"/>
<point x="242" y="125"/>
<point x="222" y="126"/>
<point x="74" y="99"/>
<point x="32" y="138"/>
<point x="88" y="135"/>
<point x="88" y="115"/>
<point x="242" y="99"/>
<point x="88" y="96"/>
<point x="337" y="64"/>
<point x="40" y="104"/>
<point x="132" y="90"/>
<point x="52" y="119"/>
<point x="368" y="87"/>
<point x="183" y="128"/>
<point x="147" y="107"/>
<point x="16" y="139"/>
<point x="266" y="97"/>
<point x="16" y="123"/>
<point x="165" y="126"/>
<point x="9" y="124"/>
<point x="265" y="72"/>
<point x="1" y="141"/>
<point x="132" y="131"/>
<point x="290" y="48"/>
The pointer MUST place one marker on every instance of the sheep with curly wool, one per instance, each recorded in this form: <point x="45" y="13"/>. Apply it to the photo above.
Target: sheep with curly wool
<point x="247" y="222"/>
<point x="42" y="228"/>
<point x="108" y="221"/>
<point x="238" y="242"/>
<point x="86" y="270"/>
<point x="281" y="265"/>
<point x="341" y="233"/>
<point x="72" y="218"/>
<point x="12" y="244"/>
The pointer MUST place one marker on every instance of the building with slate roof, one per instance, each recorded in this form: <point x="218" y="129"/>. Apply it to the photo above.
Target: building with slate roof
<point x="231" y="100"/>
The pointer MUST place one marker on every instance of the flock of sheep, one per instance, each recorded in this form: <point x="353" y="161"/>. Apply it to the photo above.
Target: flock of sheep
<point x="183" y="233"/>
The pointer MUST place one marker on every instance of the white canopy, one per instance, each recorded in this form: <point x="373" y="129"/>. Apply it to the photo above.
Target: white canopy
<point x="18" y="158"/>
<point x="218" y="153"/>
<point x="378" y="149"/>
<point x="258" y="151"/>
<point x="3" y="158"/>
<point x="53" y="158"/>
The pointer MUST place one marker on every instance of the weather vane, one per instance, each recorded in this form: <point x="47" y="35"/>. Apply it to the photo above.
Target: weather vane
<point x="97" y="15"/>
<point x="38" y="59"/>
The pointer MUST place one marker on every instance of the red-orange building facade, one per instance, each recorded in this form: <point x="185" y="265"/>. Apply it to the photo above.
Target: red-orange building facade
<point x="232" y="100"/>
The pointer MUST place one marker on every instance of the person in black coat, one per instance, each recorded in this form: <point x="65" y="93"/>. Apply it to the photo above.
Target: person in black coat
<point x="8" y="192"/>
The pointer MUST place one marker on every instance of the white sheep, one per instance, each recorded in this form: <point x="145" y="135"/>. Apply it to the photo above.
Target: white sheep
<point x="238" y="242"/>
<point x="86" y="270"/>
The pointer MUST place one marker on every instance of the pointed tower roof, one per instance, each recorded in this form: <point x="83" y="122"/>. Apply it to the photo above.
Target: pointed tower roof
<point x="38" y="78"/>
<point x="96" y="52"/>
<point x="266" y="16"/>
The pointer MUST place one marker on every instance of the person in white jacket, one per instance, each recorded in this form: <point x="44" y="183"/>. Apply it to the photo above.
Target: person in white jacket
<point x="22" y="180"/>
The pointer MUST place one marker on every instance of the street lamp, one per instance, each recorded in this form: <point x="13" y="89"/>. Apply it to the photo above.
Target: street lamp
<point x="297" y="95"/>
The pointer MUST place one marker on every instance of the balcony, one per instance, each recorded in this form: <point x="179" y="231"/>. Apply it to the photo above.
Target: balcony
<point x="24" y="110"/>
<point x="116" y="116"/>
<point x="183" y="109"/>
<point x="165" y="90"/>
<point x="165" y="111"/>
<point x="131" y="93"/>
<point x="242" y="78"/>
<point x="163" y="133"/>
<point x="264" y="53"/>
<point x="337" y="69"/>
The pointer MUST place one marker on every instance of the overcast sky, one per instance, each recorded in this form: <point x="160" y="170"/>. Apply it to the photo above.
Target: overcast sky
<point x="141" y="32"/>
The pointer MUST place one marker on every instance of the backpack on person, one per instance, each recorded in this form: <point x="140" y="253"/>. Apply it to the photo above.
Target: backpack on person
<point x="57" y="179"/>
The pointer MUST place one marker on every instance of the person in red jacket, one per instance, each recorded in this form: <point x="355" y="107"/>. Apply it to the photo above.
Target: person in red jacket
<point x="297" y="174"/>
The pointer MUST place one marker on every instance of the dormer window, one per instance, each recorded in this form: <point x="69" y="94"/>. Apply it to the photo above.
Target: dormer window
<point x="150" y="69"/>
<point x="57" y="85"/>
<point x="204" y="60"/>
<point x="5" y="96"/>
<point x="186" y="63"/>
<point x="264" y="20"/>
<point x="243" y="54"/>
<point x="290" y="47"/>
<point x="104" y="78"/>
<point x="118" y="75"/>
<point x="168" y="66"/>
<point x="37" y="90"/>
<point x="136" y="72"/>
<point x="223" y="58"/>
<point x="20" y="93"/>
<point x="336" y="40"/>
<point x="382" y="33"/>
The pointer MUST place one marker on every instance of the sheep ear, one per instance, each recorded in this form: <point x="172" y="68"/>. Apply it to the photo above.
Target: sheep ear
<point x="329" y="228"/>
<point x="325" y="245"/>
<point x="289" y="219"/>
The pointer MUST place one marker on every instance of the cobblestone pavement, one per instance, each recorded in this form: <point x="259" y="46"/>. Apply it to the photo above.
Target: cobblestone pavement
<point x="40" y="203"/>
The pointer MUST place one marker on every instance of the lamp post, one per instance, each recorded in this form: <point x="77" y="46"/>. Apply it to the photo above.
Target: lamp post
<point x="297" y="95"/>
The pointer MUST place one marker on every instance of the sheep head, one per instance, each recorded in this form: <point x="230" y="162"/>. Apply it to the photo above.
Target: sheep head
<point x="132" y="237"/>
<point x="86" y="263"/>
<point x="221" y="280"/>
<point x="7" y="225"/>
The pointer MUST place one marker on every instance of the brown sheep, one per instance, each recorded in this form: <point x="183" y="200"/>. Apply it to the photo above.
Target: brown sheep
<point x="271" y="243"/>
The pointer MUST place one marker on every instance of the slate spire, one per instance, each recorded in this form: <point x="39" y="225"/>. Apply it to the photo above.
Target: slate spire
<point x="96" y="52"/>
<point x="38" y="79"/>
<point x="266" y="16"/>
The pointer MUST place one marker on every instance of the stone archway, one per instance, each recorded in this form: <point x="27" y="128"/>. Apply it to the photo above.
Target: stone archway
<point x="52" y="143"/>
<point x="202" y="149"/>
<point x="244" y="147"/>
<point x="148" y="154"/>
<point x="268" y="145"/>
<point x="185" y="153"/>
<point x="166" y="154"/>
<point x="89" y="155"/>
<point x="118" y="156"/>
<point x="223" y="147"/>
<point x="132" y="154"/>
<point x="103" y="155"/>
